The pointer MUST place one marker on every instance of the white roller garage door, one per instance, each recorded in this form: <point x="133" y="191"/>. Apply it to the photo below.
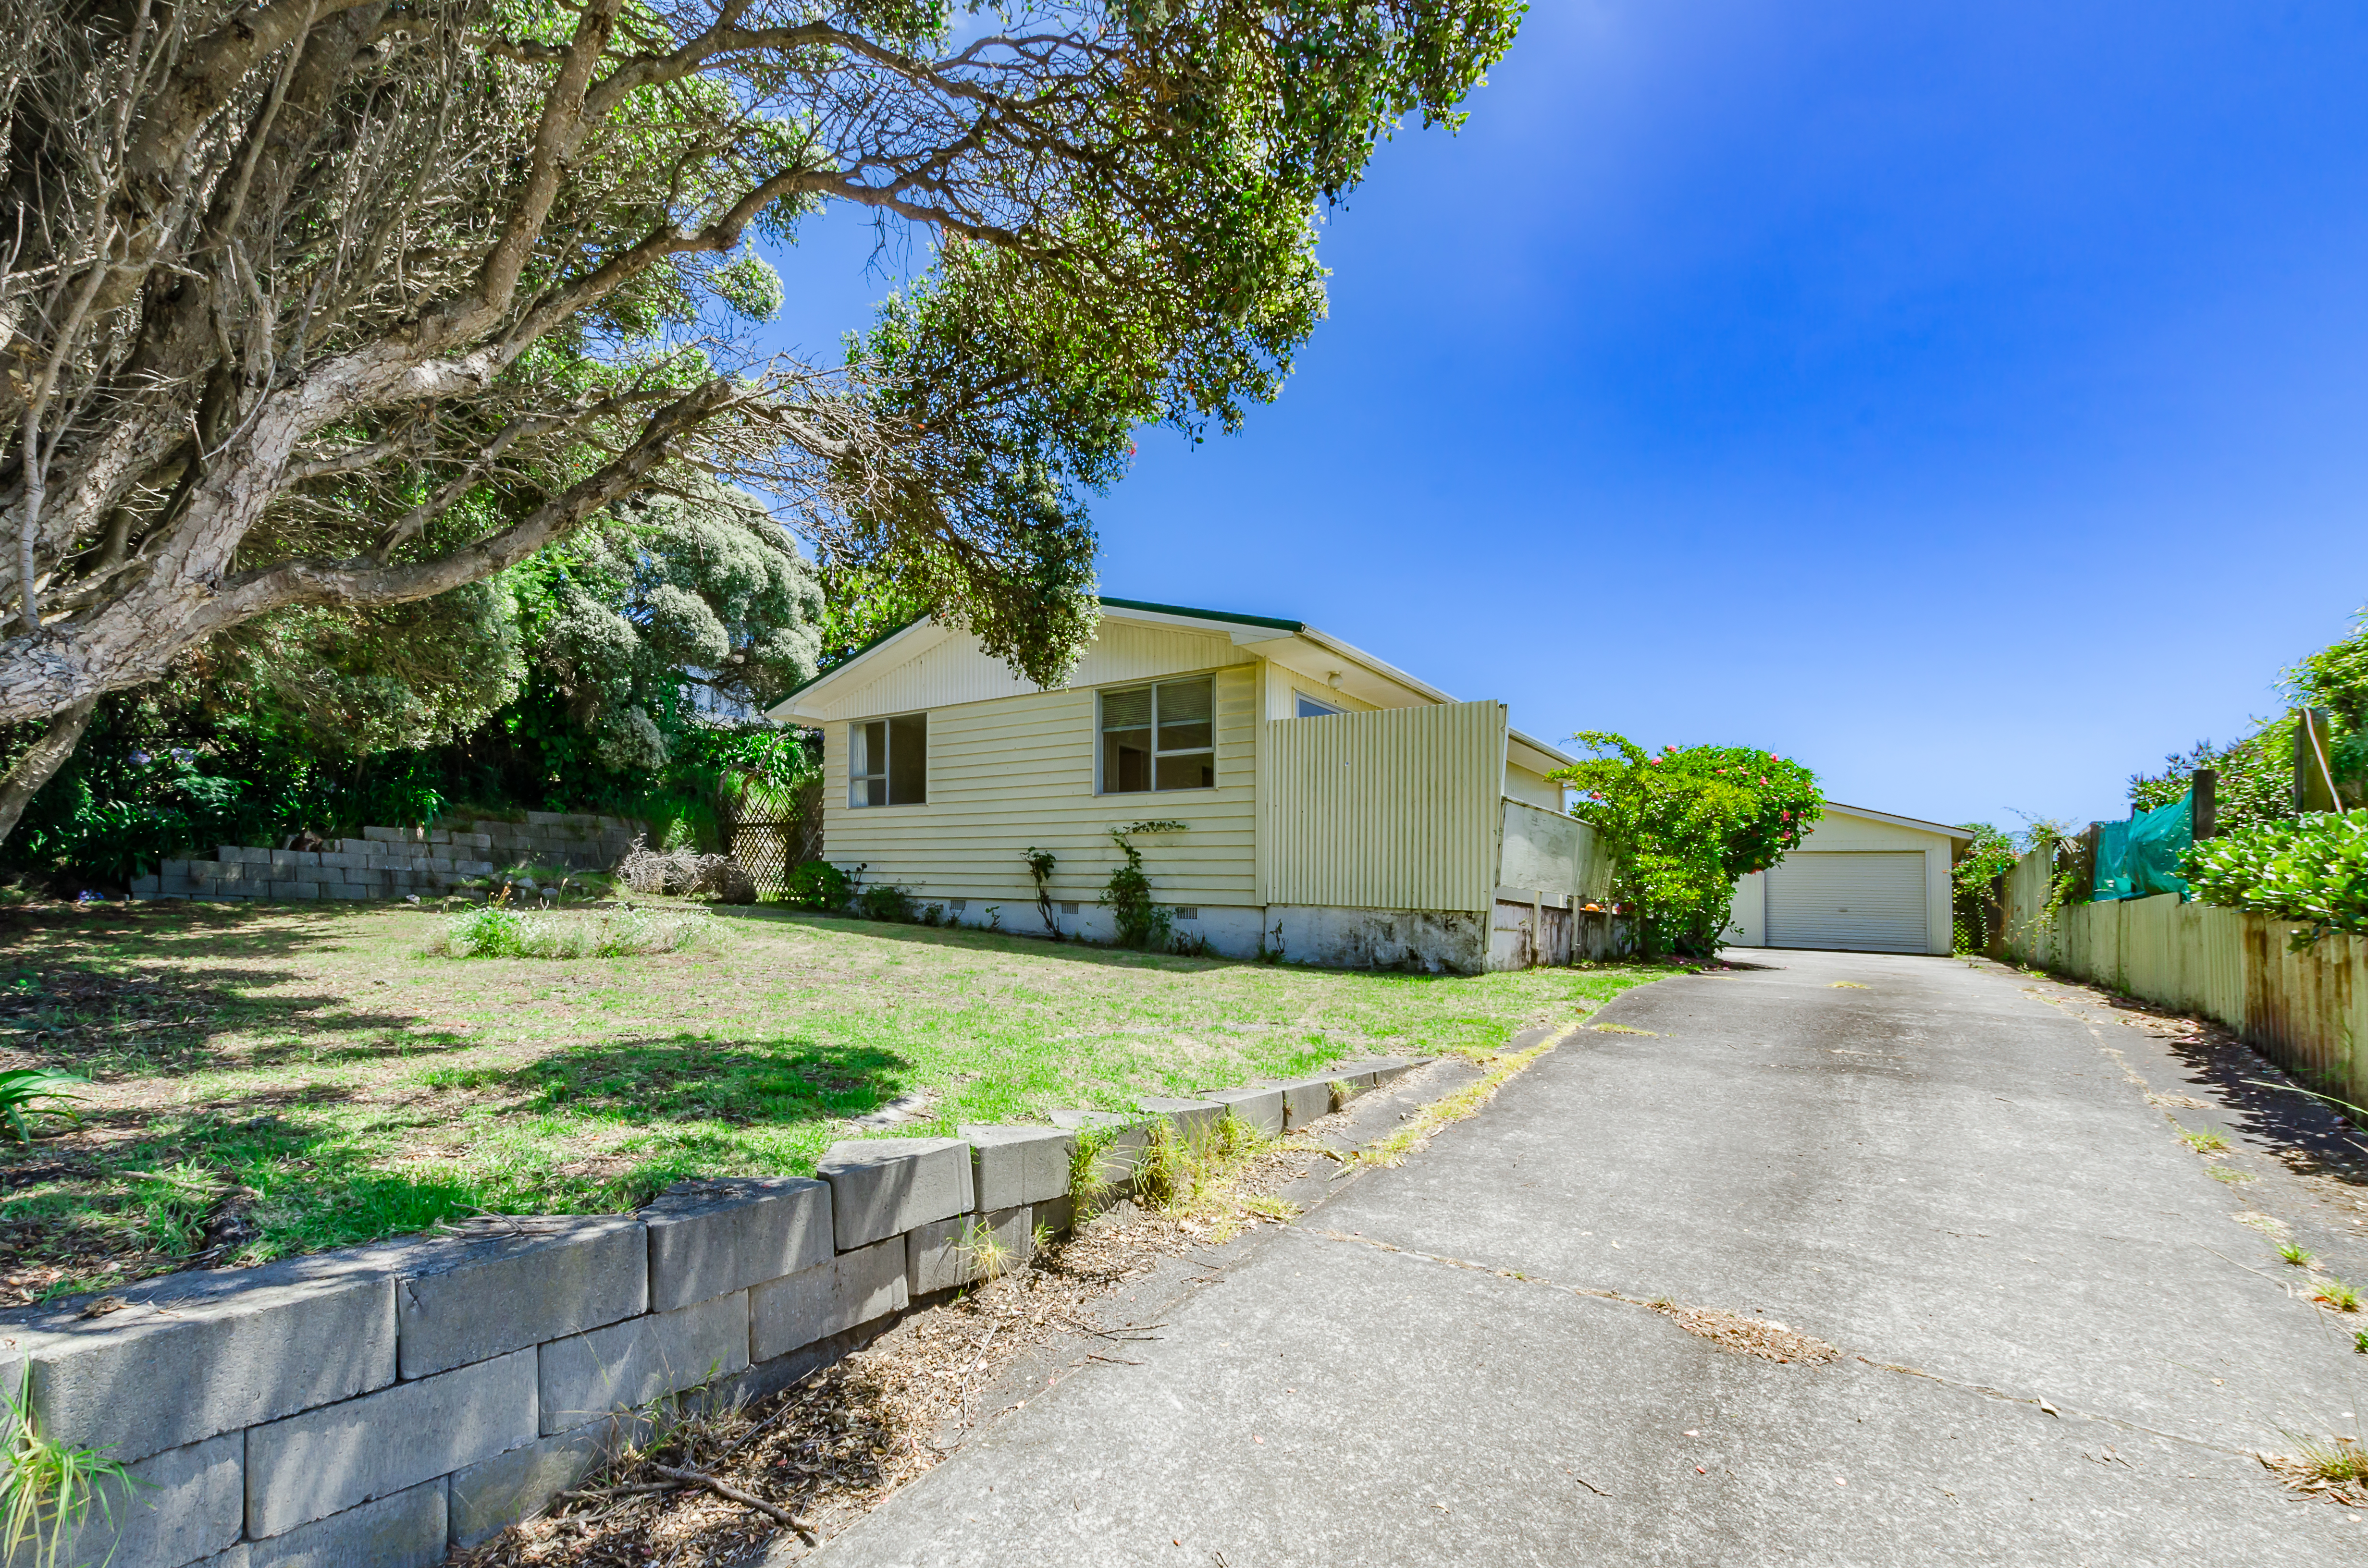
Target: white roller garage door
<point x="1860" y="899"/>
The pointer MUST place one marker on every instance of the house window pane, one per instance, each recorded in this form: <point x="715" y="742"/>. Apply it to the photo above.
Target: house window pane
<point x="909" y="760"/>
<point x="1127" y="710"/>
<point x="1126" y="761"/>
<point x="1193" y="770"/>
<point x="1159" y="737"/>
<point x="1311" y="709"/>
<point x="1185" y="710"/>
<point x="888" y="761"/>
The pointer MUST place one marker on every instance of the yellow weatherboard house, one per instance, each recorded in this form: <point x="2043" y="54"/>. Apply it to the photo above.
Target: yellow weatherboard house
<point x="1335" y="810"/>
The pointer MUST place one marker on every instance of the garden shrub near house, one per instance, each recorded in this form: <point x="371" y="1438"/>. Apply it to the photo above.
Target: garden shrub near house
<point x="1682" y="825"/>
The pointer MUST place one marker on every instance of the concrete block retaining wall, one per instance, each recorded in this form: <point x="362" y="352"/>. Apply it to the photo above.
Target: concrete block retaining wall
<point x="383" y="1403"/>
<point x="390" y="862"/>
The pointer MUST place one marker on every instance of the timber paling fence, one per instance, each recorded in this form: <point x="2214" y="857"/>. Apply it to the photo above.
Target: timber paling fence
<point x="2307" y="1011"/>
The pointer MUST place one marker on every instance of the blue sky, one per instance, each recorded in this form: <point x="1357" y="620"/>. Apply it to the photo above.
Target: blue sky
<point x="1972" y="401"/>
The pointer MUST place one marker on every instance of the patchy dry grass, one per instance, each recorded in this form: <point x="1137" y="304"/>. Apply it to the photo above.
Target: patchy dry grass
<point x="278" y="1079"/>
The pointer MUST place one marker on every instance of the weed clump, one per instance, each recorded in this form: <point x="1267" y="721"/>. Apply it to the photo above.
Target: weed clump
<point x="496" y="931"/>
<point x="48" y="1488"/>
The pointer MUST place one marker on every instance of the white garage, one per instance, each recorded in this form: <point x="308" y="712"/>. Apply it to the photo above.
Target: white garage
<point x="1862" y="882"/>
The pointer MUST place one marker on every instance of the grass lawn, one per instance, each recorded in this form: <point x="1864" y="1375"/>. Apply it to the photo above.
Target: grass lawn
<point x="277" y="1078"/>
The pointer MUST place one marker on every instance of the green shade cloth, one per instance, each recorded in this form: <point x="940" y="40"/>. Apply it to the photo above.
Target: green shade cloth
<point x="2143" y="855"/>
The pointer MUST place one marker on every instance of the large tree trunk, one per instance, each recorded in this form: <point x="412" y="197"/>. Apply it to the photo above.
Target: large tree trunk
<point x="38" y="766"/>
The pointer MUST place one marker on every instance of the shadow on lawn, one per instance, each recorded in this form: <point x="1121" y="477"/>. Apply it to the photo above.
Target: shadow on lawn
<point x="141" y="993"/>
<point x="293" y="1169"/>
<point x="689" y="1079"/>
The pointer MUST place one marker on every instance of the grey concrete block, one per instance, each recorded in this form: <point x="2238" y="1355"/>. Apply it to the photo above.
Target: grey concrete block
<point x="287" y="858"/>
<point x="1194" y="1121"/>
<point x="1124" y="1142"/>
<point x="1017" y="1165"/>
<point x="362" y="846"/>
<point x="881" y="1187"/>
<point x="346" y="890"/>
<point x="293" y="889"/>
<point x="206" y="870"/>
<point x="233" y="875"/>
<point x="474" y="840"/>
<point x="1259" y="1105"/>
<point x="185" y="1503"/>
<point x="1373" y="1072"/>
<point x="175" y="868"/>
<point x="462" y="1300"/>
<point x="248" y="854"/>
<point x="944" y="1254"/>
<point x="326" y="1461"/>
<point x="850" y="1290"/>
<point x="641" y="1359"/>
<point x="711" y="1237"/>
<point x="236" y="1557"/>
<point x="192" y="1355"/>
<point x="1054" y="1216"/>
<point x="383" y="834"/>
<point x="489" y="1497"/>
<point x="410" y="1529"/>
<point x="1304" y="1099"/>
<point x="349" y="860"/>
<point x="147" y="884"/>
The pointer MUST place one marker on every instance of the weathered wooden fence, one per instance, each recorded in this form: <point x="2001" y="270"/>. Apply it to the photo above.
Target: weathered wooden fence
<point x="2307" y="1010"/>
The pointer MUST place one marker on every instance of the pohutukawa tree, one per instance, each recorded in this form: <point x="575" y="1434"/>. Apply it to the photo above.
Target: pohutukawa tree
<point x="349" y="303"/>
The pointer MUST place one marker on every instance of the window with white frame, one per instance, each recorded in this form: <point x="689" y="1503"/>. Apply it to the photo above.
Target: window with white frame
<point x="888" y="761"/>
<point x="1311" y="709"/>
<point x="1159" y="737"/>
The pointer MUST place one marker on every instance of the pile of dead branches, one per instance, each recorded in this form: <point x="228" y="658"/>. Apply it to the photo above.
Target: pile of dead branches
<point x="686" y="873"/>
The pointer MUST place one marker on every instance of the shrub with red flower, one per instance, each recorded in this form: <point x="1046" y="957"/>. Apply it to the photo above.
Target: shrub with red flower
<point x="1682" y="825"/>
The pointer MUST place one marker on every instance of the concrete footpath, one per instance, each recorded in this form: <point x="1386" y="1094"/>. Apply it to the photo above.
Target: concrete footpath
<point x="2057" y="1345"/>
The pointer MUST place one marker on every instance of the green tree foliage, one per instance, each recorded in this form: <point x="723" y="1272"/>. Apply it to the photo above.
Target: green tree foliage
<point x="860" y="606"/>
<point x="2313" y="869"/>
<point x="1682" y="824"/>
<point x="393" y="678"/>
<point x="589" y="677"/>
<point x="418" y="291"/>
<point x="2255" y="777"/>
<point x="675" y="599"/>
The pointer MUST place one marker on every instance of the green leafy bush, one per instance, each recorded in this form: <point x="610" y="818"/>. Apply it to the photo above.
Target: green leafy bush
<point x="1143" y="923"/>
<point x="817" y="884"/>
<point x="1682" y="824"/>
<point x="2313" y="869"/>
<point x="495" y="931"/>
<point x="886" y="901"/>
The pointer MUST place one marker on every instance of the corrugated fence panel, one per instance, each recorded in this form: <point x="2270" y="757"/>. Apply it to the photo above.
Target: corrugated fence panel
<point x="2307" y="1010"/>
<point x="1392" y="810"/>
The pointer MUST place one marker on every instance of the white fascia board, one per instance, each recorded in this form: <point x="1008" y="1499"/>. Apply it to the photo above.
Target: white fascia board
<point x="1310" y="652"/>
<point x="1551" y="756"/>
<point x="812" y="702"/>
<point x="1919" y="823"/>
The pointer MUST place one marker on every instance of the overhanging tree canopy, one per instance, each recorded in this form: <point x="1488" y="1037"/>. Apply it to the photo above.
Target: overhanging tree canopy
<point x="343" y="303"/>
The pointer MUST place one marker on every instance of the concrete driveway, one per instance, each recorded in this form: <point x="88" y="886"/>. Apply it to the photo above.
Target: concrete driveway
<point x="2056" y="1345"/>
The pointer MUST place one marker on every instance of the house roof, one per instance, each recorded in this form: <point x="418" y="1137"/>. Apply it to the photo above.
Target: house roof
<point x="1291" y="644"/>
